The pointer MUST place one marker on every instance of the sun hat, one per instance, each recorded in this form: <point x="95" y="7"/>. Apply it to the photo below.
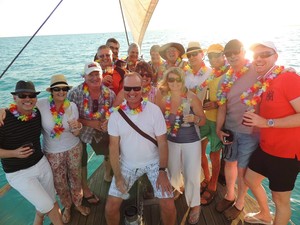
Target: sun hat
<point x="91" y="67"/>
<point x="163" y="49"/>
<point x="215" y="48"/>
<point x="193" y="46"/>
<point x="268" y="44"/>
<point x="58" y="80"/>
<point x="233" y="45"/>
<point x="25" y="86"/>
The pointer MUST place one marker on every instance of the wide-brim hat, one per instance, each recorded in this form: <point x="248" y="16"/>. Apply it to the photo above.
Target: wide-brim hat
<point x="25" y="86"/>
<point x="58" y="80"/>
<point x="268" y="44"/>
<point x="163" y="49"/>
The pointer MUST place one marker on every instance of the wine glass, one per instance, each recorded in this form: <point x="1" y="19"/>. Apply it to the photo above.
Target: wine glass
<point x="186" y="111"/>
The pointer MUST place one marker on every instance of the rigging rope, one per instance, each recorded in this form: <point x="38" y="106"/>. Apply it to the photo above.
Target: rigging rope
<point x="123" y="22"/>
<point x="30" y="39"/>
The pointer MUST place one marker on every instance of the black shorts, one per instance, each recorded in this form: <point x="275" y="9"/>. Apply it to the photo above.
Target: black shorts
<point x="281" y="172"/>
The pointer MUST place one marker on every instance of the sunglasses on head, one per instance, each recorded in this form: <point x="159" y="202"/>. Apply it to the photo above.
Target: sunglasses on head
<point x="230" y="53"/>
<point x="189" y="55"/>
<point x="104" y="55"/>
<point x="263" y="55"/>
<point x="136" y="88"/>
<point x="57" y="89"/>
<point x="23" y="96"/>
<point x="214" y="55"/>
<point x="173" y="79"/>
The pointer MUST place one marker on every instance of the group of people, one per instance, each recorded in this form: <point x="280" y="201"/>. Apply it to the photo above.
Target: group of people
<point x="248" y="110"/>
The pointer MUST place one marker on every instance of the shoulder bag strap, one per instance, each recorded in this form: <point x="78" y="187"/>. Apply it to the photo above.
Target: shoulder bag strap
<point x="136" y="128"/>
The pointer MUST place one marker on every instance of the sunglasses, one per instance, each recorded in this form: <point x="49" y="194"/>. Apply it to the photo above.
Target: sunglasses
<point x="189" y="55"/>
<point x="57" y="89"/>
<point x="137" y="88"/>
<point x="263" y="55"/>
<point x="214" y="55"/>
<point x="172" y="79"/>
<point x="95" y="105"/>
<point x="230" y="53"/>
<point x="104" y="55"/>
<point x="23" y="96"/>
<point x="145" y="74"/>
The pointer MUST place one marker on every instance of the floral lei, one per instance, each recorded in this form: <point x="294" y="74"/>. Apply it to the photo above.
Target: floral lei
<point x="230" y="78"/>
<point x="146" y="89"/>
<point x="259" y="88"/>
<point x="172" y="131"/>
<point x="177" y="63"/>
<point x="13" y="109"/>
<point x="105" y="107"/>
<point x="57" y="117"/>
<point x="126" y="108"/>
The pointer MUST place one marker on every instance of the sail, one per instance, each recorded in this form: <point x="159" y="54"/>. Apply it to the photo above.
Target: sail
<point x="137" y="15"/>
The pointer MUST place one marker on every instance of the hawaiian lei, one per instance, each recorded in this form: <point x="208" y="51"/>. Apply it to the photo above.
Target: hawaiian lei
<point x="13" y="109"/>
<point x="260" y="87"/>
<point x="126" y="108"/>
<point x="105" y="107"/>
<point x="230" y="78"/>
<point x="57" y="117"/>
<point x="172" y="131"/>
<point x="146" y="89"/>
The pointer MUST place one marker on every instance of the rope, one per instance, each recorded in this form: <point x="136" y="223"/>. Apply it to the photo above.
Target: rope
<point x="30" y="40"/>
<point x="124" y="22"/>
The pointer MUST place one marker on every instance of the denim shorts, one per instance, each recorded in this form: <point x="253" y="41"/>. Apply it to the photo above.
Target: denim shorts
<point x="241" y="149"/>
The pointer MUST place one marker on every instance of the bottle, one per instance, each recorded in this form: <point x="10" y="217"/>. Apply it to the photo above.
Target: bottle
<point x="207" y="99"/>
<point x="131" y="216"/>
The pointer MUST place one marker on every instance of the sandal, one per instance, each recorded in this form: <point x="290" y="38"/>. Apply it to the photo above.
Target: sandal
<point x="232" y="213"/>
<point x="93" y="199"/>
<point x="85" y="211"/>
<point x="194" y="215"/>
<point x="203" y="186"/>
<point x="207" y="197"/>
<point x="224" y="204"/>
<point x="66" y="216"/>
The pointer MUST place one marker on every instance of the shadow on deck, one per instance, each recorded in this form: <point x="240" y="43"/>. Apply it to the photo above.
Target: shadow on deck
<point x="151" y="214"/>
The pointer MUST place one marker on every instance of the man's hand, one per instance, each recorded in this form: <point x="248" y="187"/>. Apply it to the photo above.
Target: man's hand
<point x="163" y="183"/>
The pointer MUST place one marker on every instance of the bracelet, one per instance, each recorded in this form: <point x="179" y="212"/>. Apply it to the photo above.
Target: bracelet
<point x="76" y="129"/>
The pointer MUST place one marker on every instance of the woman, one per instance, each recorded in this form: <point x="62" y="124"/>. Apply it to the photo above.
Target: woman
<point x="61" y="145"/>
<point x="145" y="70"/>
<point x="184" y="142"/>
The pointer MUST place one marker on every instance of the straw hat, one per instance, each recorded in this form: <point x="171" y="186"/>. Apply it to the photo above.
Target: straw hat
<point x="163" y="49"/>
<point x="25" y="86"/>
<point x="58" y="80"/>
<point x="193" y="46"/>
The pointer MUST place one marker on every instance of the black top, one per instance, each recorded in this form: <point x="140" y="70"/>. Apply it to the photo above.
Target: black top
<point x="15" y="133"/>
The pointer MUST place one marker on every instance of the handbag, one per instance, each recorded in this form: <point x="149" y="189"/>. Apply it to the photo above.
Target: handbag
<point x="147" y="136"/>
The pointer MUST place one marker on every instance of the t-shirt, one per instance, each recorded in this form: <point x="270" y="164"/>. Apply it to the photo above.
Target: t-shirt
<point x="15" y="133"/>
<point x="137" y="151"/>
<point x="116" y="84"/>
<point x="281" y="142"/>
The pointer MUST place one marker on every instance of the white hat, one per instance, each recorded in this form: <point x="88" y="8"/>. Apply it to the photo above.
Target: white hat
<point x="91" y="67"/>
<point x="58" y="80"/>
<point x="268" y="44"/>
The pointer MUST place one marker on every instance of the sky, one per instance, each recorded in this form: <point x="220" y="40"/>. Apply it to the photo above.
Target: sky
<point x="23" y="17"/>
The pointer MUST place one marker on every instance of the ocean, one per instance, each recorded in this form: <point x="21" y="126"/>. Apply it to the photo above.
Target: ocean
<point x="66" y="54"/>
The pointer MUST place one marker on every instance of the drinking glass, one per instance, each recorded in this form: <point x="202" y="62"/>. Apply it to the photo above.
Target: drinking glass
<point x="186" y="111"/>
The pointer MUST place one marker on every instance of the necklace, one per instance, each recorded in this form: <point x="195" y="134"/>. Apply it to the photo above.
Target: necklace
<point x="260" y="87"/>
<point x="105" y="106"/>
<point x="146" y="89"/>
<point x="57" y="117"/>
<point x="24" y="118"/>
<point x="172" y="130"/>
<point x="127" y="110"/>
<point x="230" y="78"/>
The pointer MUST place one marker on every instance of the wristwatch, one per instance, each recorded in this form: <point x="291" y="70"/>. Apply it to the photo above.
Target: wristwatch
<point x="270" y="123"/>
<point x="164" y="169"/>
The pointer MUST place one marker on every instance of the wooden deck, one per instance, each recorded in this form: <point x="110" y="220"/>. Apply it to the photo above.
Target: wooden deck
<point x="209" y="216"/>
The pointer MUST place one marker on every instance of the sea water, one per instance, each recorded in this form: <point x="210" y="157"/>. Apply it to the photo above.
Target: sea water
<point x="66" y="54"/>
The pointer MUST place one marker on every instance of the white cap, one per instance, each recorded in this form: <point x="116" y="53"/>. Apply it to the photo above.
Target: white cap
<point x="268" y="44"/>
<point x="91" y="67"/>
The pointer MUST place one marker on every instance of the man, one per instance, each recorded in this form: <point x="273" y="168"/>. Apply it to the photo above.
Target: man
<point x="112" y="78"/>
<point x="26" y="168"/>
<point x="172" y="54"/>
<point x="278" y="155"/>
<point x="114" y="45"/>
<point x="217" y="60"/>
<point x="132" y="155"/>
<point x="93" y="100"/>
<point x="238" y="79"/>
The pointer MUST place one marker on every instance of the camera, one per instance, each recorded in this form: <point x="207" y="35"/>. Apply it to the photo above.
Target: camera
<point x="228" y="138"/>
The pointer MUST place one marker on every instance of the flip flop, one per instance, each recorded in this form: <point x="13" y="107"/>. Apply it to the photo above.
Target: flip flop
<point x="207" y="197"/>
<point x="85" y="211"/>
<point x="93" y="199"/>
<point x="252" y="219"/>
<point x="232" y="213"/>
<point x="194" y="216"/>
<point x="66" y="216"/>
<point x="224" y="204"/>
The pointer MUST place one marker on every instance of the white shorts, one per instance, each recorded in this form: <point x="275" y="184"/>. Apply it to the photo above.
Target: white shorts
<point x="35" y="184"/>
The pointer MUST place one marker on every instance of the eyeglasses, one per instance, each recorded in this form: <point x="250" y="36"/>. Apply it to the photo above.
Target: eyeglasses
<point x="172" y="79"/>
<point x="189" y="55"/>
<point x="263" y="55"/>
<point x="136" y="88"/>
<point x="95" y="105"/>
<point x="104" y="55"/>
<point x="23" y="96"/>
<point x="145" y="74"/>
<point x="214" y="55"/>
<point x="57" y="89"/>
<point x="230" y="53"/>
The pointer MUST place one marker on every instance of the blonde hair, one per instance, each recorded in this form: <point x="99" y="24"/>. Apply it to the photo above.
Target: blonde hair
<point x="163" y="84"/>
